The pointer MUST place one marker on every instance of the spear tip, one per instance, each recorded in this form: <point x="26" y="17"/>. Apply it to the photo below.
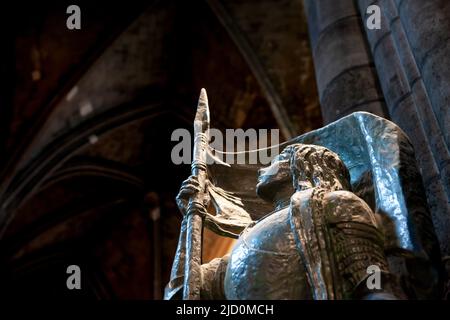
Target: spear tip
<point x="203" y="108"/>
<point x="203" y="96"/>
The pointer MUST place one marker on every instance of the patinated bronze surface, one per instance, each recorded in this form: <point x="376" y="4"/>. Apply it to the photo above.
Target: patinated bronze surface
<point x="333" y="203"/>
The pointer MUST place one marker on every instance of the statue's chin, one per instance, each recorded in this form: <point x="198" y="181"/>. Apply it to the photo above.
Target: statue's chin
<point x="258" y="189"/>
<point x="263" y="190"/>
<point x="269" y="185"/>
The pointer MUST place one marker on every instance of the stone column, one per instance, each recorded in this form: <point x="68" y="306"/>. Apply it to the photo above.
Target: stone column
<point x="409" y="105"/>
<point x="345" y="73"/>
<point x="427" y="26"/>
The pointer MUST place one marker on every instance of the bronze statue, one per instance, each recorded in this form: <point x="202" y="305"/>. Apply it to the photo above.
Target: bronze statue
<point x="319" y="242"/>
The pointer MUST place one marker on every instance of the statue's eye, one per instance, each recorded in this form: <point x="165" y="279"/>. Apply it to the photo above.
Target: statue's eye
<point x="283" y="156"/>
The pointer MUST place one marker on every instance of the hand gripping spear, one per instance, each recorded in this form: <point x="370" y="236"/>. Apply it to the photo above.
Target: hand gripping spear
<point x="196" y="206"/>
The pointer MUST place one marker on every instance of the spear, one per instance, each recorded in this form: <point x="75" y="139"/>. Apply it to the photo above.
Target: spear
<point x="196" y="206"/>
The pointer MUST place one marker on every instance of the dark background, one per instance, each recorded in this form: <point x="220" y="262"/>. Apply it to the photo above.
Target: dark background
<point x="86" y="118"/>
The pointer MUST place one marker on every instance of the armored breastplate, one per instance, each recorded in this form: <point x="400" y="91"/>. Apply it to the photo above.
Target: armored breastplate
<point x="265" y="264"/>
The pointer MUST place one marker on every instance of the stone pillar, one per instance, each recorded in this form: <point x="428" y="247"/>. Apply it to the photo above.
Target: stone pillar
<point x="411" y="107"/>
<point x="427" y="26"/>
<point x="345" y="73"/>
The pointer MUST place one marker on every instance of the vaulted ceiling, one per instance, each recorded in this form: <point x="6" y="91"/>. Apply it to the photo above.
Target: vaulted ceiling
<point x="87" y="117"/>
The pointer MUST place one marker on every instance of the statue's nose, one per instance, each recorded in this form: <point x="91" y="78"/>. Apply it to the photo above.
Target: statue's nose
<point x="262" y="171"/>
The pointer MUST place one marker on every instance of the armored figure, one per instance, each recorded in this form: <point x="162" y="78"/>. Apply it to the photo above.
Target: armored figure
<point x="321" y="240"/>
<point x="318" y="243"/>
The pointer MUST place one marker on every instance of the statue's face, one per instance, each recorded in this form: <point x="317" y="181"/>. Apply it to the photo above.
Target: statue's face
<point x="273" y="177"/>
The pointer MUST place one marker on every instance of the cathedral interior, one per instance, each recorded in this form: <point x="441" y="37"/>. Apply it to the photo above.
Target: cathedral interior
<point x="86" y="175"/>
